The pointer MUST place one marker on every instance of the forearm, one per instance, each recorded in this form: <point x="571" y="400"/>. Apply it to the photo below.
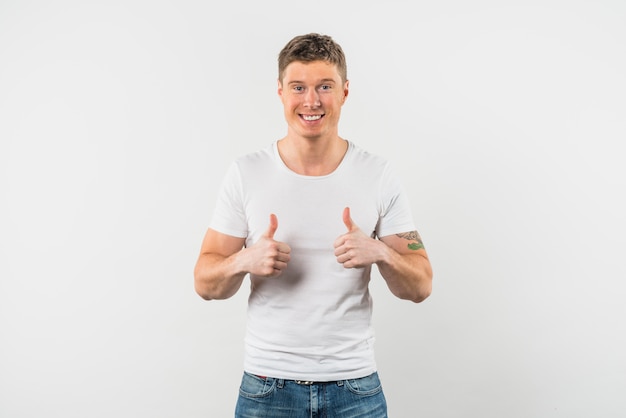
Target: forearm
<point x="217" y="276"/>
<point x="408" y="276"/>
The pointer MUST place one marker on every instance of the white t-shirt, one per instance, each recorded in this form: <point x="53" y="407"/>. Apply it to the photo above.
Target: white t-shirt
<point x="313" y="322"/>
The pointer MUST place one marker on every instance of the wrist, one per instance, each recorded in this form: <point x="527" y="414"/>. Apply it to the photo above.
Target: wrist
<point x="238" y="265"/>
<point x="383" y="252"/>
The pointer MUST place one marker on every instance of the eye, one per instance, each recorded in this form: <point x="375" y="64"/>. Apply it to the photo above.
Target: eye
<point x="298" y="89"/>
<point x="325" y="87"/>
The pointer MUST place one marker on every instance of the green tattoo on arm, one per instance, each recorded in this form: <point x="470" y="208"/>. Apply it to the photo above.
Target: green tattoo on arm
<point x="415" y="246"/>
<point x="412" y="236"/>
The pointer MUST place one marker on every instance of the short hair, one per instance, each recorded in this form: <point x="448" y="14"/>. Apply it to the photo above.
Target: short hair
<point x="312" y="47"/>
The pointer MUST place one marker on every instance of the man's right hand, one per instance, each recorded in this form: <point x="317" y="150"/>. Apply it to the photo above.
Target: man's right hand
<point x="266" y="257"/>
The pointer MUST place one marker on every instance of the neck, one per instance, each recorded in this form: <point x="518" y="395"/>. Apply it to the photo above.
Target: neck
<point x="312" y="157"/>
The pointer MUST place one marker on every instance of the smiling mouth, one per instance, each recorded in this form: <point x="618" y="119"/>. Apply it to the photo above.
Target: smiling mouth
<point x="311" y="118"/>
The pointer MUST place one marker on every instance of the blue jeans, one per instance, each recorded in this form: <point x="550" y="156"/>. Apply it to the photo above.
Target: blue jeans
<point x="279" y="398"/>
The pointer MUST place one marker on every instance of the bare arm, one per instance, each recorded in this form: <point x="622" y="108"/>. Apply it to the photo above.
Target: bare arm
<point x="217" y="275"/>
<point x="406" y="267"/>
<point x="224" y="262"/>
<point x="401" y="259"/>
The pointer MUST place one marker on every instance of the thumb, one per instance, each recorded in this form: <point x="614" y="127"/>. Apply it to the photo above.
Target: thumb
<point x="347" y="220"/>
<point x="273" y="226"/>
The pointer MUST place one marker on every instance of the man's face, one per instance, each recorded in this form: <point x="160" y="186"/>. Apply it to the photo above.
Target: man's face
<point x="312" y="94"/>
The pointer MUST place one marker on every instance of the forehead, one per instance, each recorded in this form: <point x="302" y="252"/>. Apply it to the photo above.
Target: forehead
<point x="311" y="71"/>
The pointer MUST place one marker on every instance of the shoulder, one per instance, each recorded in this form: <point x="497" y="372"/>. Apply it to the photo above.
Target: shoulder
<point x="261" y="155"/>
<point x="256" y="160"/>
<point x="366" y="159"/>
<point x="375" y="169"/>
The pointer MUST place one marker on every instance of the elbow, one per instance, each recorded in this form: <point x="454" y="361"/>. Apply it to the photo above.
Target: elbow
<point x="415" y="291"/>
<point x="426" y="286"/>
<point x="208" y="293"/>
<point x="424" y="290"/>
<point x="202" y="291"/>
<point x="422" y="295"/>
<point x="210" y="283"/>
<point x="203" y="294"/>
<point x="415" y="295"/>
<point x="209" y="290"/>
<point x="201" y="287"/>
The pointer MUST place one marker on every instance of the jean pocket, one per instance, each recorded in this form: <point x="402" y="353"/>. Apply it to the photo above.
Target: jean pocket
<point x="256" y="387"/>
<point x="365" y="386"/>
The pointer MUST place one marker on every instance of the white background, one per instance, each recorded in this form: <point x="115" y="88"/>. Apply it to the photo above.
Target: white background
<point x="506" y="119"/>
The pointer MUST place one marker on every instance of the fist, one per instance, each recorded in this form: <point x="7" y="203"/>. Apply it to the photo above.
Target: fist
<point x="355" y="249"/>
<point x="268" y="257"/>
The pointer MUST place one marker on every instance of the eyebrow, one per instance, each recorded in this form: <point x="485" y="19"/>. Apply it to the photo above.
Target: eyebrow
<point x="324" y="80"/>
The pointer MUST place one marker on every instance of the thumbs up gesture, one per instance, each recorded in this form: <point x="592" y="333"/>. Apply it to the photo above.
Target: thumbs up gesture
<point x="267" y="257"/>
<point x="355" y="249"/>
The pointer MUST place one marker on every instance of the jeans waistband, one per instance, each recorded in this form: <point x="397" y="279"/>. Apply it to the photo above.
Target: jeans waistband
<point x="305" y="382"/>
<point x="300" y="382"/>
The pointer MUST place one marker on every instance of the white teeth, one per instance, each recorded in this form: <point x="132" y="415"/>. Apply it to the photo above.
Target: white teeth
<point x="311" y="117"/>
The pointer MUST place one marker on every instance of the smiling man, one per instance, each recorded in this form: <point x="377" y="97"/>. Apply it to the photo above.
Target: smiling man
<point x="305" y="219"/>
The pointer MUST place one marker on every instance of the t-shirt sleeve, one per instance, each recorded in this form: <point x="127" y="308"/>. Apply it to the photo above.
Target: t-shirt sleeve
<point x="229" y="215"/>
<point x="395" y="214"/>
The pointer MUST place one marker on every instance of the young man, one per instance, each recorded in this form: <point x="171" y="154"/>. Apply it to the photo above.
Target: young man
<point x="305" y="219"/>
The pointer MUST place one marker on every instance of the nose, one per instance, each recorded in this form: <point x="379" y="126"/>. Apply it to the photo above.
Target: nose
<point x="312" y="98"/>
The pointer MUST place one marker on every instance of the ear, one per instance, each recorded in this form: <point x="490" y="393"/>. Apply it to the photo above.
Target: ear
<point x="345" y="91"/>
<point x="279" y="88"/>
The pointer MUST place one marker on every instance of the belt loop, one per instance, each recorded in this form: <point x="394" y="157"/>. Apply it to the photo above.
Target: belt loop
<point x="281" y="383"/>
<point x="340" y="383"/>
